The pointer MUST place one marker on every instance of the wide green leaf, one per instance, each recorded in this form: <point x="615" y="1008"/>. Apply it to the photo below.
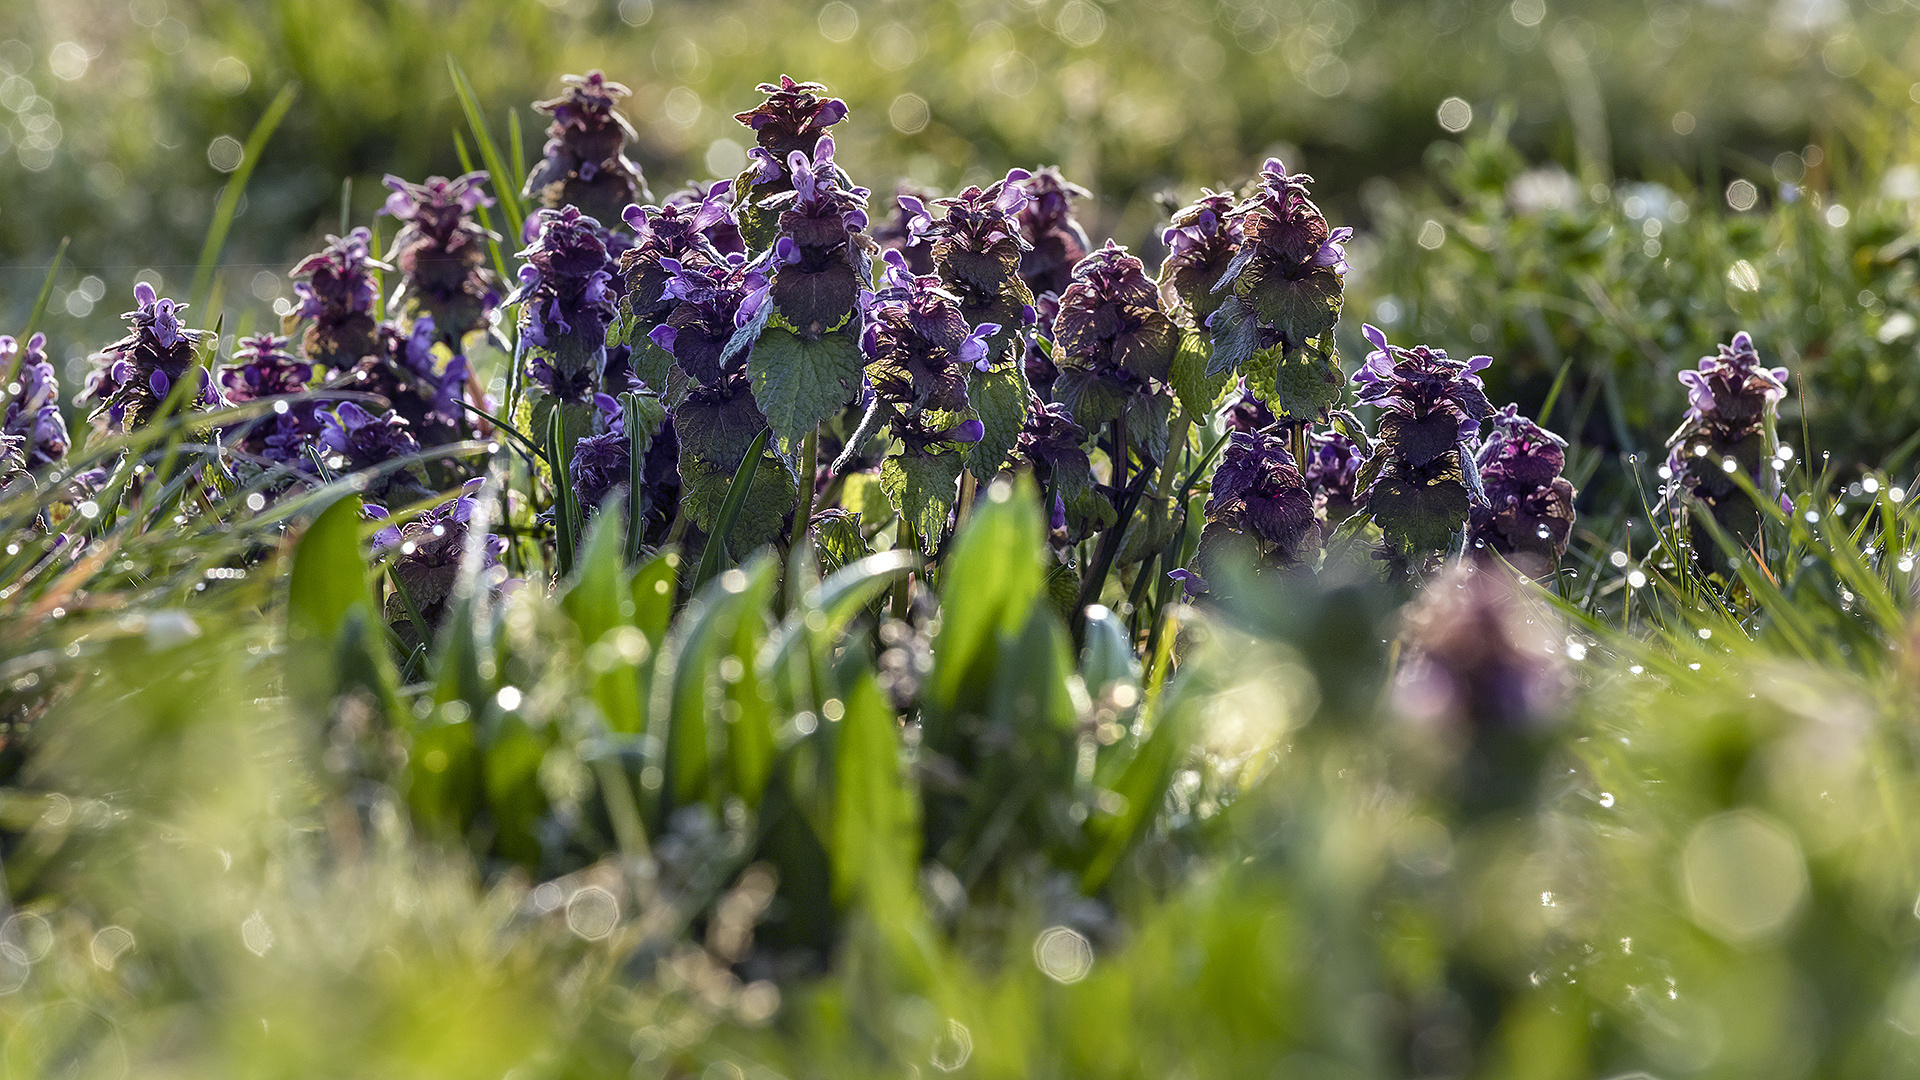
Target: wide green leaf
<point x="999" y="397"/>
<point x="921" y="488"/>
<point x="800" y="383"/>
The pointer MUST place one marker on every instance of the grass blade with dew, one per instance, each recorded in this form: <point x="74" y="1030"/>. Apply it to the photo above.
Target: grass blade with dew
<point x="229" y="204"/>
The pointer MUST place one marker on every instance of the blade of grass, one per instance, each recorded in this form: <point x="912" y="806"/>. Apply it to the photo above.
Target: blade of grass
<point x="566" y="510"/>
<point x="485" y="217"/>
<point x="715" y="552"/>
<point x="236" y="187"/>
<point x="46" y="294"/>
<point x="503" y="187"/>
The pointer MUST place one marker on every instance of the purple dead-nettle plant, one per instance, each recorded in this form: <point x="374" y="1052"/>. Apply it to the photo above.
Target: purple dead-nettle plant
<point x="976" y="251"/>
<point x="1114" y="346"/>
<point x="585" y="163"/>
<point x="711" y="301"/>
<point x="792" y="119"/>
<point x="1281" y="291"/>
<point x="339" y="296"/>
<point x="33" y="402"/>
<point x="920" y="352"/>
<point x="1248" y="413"/>
<point x="352" y="439"/>
<point x="1055" y="241"/>
<point x="1055" y="448"/>
<point x="1529" y="510"/>
<point x="441" y="252"/>
<point x="718" y="419"/>
<point x="896" y="231"/>
<point x="722" y="231"/>
<point x="1332" y="473"/>
<point x="1260" y="513"/>
<point x="820" y="255"/>
<point x="262" y="368"/>
<point x="133" y="377"/>
<point x="1483" y="681"/>
<point x="566" y="301"/>
<point x="427" y="554"/>
<point x="684" y="232"/>
<point x="1201" y="242"/>
<point x="1421" y="480"/>
<point x="921" y="356"/>
<point x="1728" y="431"/>
<point x="602" y="463"/>
<point x="407" y="372"/>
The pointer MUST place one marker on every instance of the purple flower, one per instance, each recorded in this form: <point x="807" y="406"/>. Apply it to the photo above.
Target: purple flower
<point x="427" y="553"/>
<point x="564" y="293"/>
<point x="686" y="232"/>
<point x="914" y="340"/>
<point x="404" y="371"/>
<point x="1112" y="341"/>
<point x="339" y="296"/>
<point x="441" y="252"/>
<point x="1333" y="469"/>
<point x="134" y="375"/>
<point x="793" y="118"/>
<point x="1289" y="262"/>
<point x="976" y="251"/>
<point x="1201" y="243"/>
<point x="1732" y="401"/>
<point x="1055" y="241"/>
<point x="1430" y="404"/>
<point x="355" y="439"/>
<point x="1055" y="447"/>
<point x="710" y="300"/>
<point x="1478" y="661"/>
<point x="263" y="369"/>
<point x="33" y="412"/>
<point x="817" y="278"/>
<point x="1258" y="491"/>
<point x="585" y="163"/>
<point x="899" y="233"/>
<point x="1529" y="511"/>
<point x="1421" y="480"/>
<point x="1248" y="413"/>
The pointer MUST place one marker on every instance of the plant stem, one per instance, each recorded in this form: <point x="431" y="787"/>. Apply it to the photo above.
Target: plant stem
<point x="809" y="465"/>
<point x="902" y="586"/>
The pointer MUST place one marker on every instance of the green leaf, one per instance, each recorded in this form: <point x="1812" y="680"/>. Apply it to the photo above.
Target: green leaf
<point x="566" y="504"/>
<point x="332" y="614"/>
<point x="876" y="820"/>
<point x="921" y="488"/>
<point x="1233" y="333"/>
<point x="1418" y="516"/>
<point x="1199" y="391"/>
<point x="504" y="183"/>
<point x="993" y="578"/>
<point x="999" y="397"/>
<point x="1305" y="384"/>
<point x="799" y="383"/>
<point x="1301" y="308"/>
<point x="1089" y="399"/>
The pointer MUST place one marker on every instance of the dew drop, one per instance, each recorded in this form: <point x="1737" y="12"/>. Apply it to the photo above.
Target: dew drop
<point x="1606" y="799"/>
